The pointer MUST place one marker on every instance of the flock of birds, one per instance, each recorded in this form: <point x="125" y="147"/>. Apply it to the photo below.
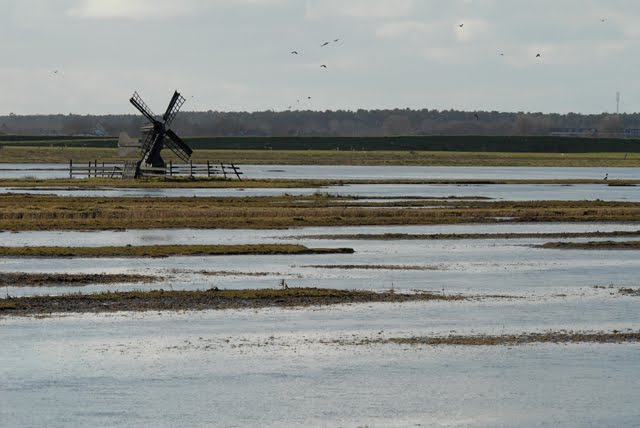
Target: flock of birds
<point x="324" y="66"/>
<point x="295" y="52"/>
<point x="538" y="55"/>
<point x="327" y="43"/>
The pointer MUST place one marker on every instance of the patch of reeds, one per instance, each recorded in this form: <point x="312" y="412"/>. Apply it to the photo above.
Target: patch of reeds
<point x="592" y="245"/>
<point x="47" y="154"/>
<point x="558" y="337"/>
<point x="162" y="300"/>
<point x="167" y="251"/>
<point x="45" y="212"/>
<point x="374" y="267"/>
<point x="463" y="236"/>
<point x="23" y="279"/>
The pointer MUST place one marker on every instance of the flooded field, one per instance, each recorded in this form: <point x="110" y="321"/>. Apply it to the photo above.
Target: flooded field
<point x="337" y="365"/>
<point x="511" y="192"/>
<point x="21" y="170"/>
<point x="279" y="368"/>
<point x="487" y="266"/>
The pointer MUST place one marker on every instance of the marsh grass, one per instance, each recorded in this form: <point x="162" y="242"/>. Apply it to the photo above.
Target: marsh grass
<point x="44" y="212"/>
<point x="464" y="236"/>
<point x="44" y="154"/>
<point x="23" y="279"/>
<point x="162" y="300"/>
<point x="593" y="245"/>
<point x="558" y="337"/>
<point x="167" y="251"/>
<point x="375" y="267"/>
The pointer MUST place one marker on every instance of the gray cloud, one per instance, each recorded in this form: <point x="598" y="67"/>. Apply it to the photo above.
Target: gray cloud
<point x="235" y="54"/>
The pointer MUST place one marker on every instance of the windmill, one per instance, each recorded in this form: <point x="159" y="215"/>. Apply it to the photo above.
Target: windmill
<point x="158" y="135"/>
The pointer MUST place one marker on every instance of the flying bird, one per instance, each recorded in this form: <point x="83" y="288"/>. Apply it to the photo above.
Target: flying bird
<point x="501" y="53"/>
<point x="323" y="66"/>
<point x="336" y="40"/>
<point x="461" y="25"/>
<point x="308" y="98"/>
<point x="294" y="52"/>
<point x="324" y="44"/>
<point x="538" y="56"/>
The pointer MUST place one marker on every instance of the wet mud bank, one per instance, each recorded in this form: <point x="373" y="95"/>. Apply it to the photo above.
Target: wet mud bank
<point x="22" y="279"/>
<point x="161" y="300"/>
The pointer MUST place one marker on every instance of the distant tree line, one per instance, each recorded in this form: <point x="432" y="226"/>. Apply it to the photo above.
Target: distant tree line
<point x="340" y="123"/>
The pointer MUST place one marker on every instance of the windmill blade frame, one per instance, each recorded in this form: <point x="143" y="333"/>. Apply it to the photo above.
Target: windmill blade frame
<point x="174" y="107"/>
<point x="177" y="146"/>
<point x="142" y="107"/>
<point x="147" y="144"/>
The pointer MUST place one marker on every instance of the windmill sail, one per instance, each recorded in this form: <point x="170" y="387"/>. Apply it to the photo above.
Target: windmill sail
<point x="174" y="107"/>
<point x="177" y="146"/>
<point x="142" y="107"/>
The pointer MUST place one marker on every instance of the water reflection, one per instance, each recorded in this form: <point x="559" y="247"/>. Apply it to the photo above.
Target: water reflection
<point x="245" y="368"/>
<point x="512" y="192"/>
<point x="468" y="266"/>
<point x="19" y="170"/>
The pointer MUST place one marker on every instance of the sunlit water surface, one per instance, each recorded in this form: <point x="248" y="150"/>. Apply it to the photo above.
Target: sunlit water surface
<point x="301" y="367"/>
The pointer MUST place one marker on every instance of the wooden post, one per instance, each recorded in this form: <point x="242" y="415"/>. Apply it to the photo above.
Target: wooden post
<point x="102" y="173"/>
<point x="70" y="168"/>
<point x="236" y="171"/>
<point x="171" y="168"/>
<point x="223" y="170"/>
<point x="191" y="168"/>
<point x="89" y="170"/>
<point x="208" y="170"/>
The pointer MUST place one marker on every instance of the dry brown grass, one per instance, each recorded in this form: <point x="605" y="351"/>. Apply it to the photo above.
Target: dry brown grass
<point x="557" y="337"/>
<point x="29" y="212"/>
<point x="167" y="250"/>
<point x="23" y="279"/>
<point x="161" y="300"/>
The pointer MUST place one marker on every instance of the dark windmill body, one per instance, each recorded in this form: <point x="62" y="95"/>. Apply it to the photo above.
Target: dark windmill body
<point x="157" y="134"/>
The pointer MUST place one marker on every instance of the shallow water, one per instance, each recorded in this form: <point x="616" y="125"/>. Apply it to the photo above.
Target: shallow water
<point x="19" y="170"/>
<point x="512" y="192"/>
<point x="277" y="367"/>
<point x="271" y="368"/>
<point x="477" y="266"/>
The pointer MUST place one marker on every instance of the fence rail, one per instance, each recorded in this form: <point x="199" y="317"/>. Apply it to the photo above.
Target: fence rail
<point x="107" y="170"/>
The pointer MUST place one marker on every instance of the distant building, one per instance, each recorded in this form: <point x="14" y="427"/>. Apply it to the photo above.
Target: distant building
<point x="99" y="131"/>
<point x="632" y="132"/>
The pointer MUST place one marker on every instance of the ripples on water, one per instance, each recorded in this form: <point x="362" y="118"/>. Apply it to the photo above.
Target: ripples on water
<point x="282" y="368"/>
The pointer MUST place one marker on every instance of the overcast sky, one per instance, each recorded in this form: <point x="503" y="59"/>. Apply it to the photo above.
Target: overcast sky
<point x="232" y="55"/>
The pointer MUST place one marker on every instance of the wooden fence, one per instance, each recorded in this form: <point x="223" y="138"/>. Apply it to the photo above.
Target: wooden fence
<point x="210" y="169"/>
